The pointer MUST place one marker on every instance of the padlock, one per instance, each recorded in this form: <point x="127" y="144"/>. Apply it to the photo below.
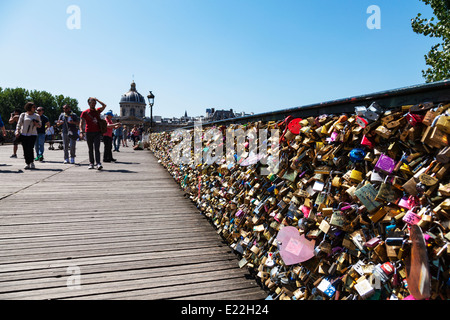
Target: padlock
<point x="372" y="112"/>
<point x="385" y="164"/>
<point x="367" y="195"/>
<point x="293" y="129"/>
<point x="414" y="119"/>
<point x="411" y="217"/>
<point x="356" y="176"/>
<point x="443" y="123"/>
<point x="407" y="202"/>
<point x="364" y="288"/>
<point x="429" y="117"/>
<point x="362" y="122"/>
<point x="383" y="132"/>
<point x="367" y="142"/>
<point x="444" y="155"/>
<point x="421" y="107"/>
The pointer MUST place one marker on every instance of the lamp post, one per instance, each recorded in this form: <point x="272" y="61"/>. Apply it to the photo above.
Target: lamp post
<point x="151" y="101"/>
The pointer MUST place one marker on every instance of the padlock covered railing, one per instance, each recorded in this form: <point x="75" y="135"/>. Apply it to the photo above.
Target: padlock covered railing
<point x="344" y="204"/>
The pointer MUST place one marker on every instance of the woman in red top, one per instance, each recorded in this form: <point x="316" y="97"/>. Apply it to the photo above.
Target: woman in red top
<point x="89" y="126"/>
<point x="107" y="137"/>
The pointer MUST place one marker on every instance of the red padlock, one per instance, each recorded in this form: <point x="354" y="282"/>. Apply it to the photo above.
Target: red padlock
<point x="414" y="119"/>
<point x="293" y="129"/>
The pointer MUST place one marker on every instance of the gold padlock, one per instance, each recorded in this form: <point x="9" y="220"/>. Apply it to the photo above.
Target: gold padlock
<point x="443" y="124"/>
<point x="356" y="176"/>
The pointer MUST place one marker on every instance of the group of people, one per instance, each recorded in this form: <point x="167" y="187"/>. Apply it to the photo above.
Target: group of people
<point x="32" y="124"/>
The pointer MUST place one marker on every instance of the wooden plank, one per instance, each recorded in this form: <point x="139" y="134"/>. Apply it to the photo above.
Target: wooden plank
<point x="129" y="229"/>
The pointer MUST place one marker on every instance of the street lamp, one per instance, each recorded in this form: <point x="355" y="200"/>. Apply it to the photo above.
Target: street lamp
<point x="151" y="101"/>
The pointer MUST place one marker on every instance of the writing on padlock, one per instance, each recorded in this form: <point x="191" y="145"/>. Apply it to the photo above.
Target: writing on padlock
<point x="385" y="164"/>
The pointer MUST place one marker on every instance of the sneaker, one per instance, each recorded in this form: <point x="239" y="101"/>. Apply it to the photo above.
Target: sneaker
<point x="32" y="166"/>
<point x="27" y="167"/>
<point x="72" y="160"/>
<point x="99" y="166"/>
<point x="66" y="161"/>
<point x="14" y="156"/>
<point x="37" y="158"/>
<point x="41" y="158"/>
<point x="91" y="166"/>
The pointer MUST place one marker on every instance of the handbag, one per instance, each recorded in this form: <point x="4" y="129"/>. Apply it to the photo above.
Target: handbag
<point x="103" y="125"/>
<point x="71" y="135"/>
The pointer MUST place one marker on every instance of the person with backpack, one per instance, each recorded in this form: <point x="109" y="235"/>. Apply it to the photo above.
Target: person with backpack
<point x="69" y="122"/>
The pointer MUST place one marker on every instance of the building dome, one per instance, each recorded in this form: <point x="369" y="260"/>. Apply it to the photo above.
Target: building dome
<point x="132" y="103"/>
<point x="132" y="96"/>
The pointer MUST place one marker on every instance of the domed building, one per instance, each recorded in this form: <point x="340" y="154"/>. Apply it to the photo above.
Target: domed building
<point x="132" y="104"/>
<point x="132" y="109"/>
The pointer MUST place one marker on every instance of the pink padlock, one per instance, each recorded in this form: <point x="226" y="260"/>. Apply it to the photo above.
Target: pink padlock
<point x="306" y="210"/>
<point x="411" y="217"/>
<point x="385" y="164"/>
<point x="333" y="136"/>
<point x="406" y="203"/>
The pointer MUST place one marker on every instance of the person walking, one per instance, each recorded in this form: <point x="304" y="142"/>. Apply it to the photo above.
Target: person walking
<point x="13" y="120"/>
<point x="40" y="139"/>
<point x="107" y="137"/>
<point x="69" y="122"/>
<point x="89" y="125"/>
<point x="26" y="129"/>
<point x="118" y="137"/>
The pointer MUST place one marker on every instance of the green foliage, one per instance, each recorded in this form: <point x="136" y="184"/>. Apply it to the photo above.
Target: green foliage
<point x="436" y="27"/>
<point x="15" y="99"/>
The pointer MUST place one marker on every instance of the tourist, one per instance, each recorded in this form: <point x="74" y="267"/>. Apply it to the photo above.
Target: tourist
<point x="49" y="133"/>
<point x="141" y="131"/>
<point x="69" y="122"/>
<point x="89" y="125"/>
<point x="13" y="120"/>
<point x="118" y="137"/>
<point x="40" y="139"/>
<point x="107" y="137"/>
<point x="2" y="125"/>
<point x="125" y="136"/>
<point x="135" y="135"/>
<point x="26" y="130"/>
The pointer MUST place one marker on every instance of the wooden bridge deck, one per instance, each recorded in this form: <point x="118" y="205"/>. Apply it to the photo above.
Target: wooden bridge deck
<point x="125" y="232"/>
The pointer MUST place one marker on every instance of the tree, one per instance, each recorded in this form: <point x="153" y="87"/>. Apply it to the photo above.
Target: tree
<point x="12" y="99"/>
<point x="47" y="101"/>
<point x="439" y="56"/>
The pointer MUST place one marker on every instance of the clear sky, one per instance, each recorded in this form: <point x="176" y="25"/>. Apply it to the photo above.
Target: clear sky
<point x="248" y="55"/>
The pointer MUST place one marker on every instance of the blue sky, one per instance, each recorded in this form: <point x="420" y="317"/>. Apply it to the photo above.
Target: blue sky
<point x="249" y="55"/>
